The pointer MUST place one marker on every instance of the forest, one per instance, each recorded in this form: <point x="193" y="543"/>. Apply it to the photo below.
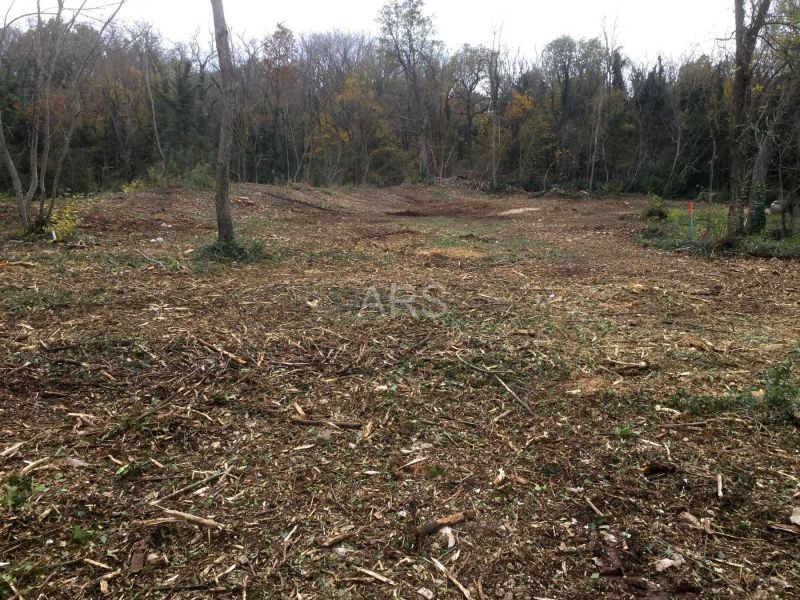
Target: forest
<point x="343" y="108"/>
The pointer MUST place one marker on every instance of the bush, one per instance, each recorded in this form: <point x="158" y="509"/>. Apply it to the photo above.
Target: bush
<point x="201" y="177"/>
<point x="63" y="223"/>
<point x="133" y="186"/>
<point x="250" y="251"/>
<point x="657" y="209"/>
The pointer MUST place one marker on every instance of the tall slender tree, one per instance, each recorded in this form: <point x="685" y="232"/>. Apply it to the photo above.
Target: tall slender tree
<point x="225" y="231"/>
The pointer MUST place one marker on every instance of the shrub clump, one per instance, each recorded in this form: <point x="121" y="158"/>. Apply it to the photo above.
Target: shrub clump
<point x="63" y="223"/>
<point x="249" y="251"/>
<point x="200" y="177"/>
<point x="657" y="211"/>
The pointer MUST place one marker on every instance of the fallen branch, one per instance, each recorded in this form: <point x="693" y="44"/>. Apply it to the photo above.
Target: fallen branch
<point x="596" y="510"/>
<point x="337" y="539"/>
<point x="11" y="450"/>
<point x="147" y="258"/>
<point x="432" y="527"/>
<point x="192" y="486"/>
<point x="320" y="423"/>
<point x="524" y="404"/>
<point x="446" y="572"/>
<point x="785" y="528"/>
<point x="27" y="265"/>
<point x="31" y="466"/>
<point x="222" y="351"/>
<point x="193" y="519"/>
<point x="375" y="575"/>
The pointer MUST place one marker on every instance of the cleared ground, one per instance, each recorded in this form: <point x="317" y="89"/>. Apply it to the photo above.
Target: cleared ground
<point x="599" y="407"/>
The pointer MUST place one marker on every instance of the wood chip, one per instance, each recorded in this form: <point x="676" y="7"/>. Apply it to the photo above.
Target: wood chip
<point x="375" y="575"/>
<point x="11" y="450"/>
<point x="337" y="539"/>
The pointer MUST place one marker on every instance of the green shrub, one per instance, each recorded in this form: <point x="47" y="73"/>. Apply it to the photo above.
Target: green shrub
<point x="201" y="177"/>
<point x="134" y="186"/>
<point x="657" y="210"/>
<point x="63" y="223"/>
<point x="250" y="251"/>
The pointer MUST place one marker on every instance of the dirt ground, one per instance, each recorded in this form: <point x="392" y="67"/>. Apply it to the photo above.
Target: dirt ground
<point x="599" y="419"/>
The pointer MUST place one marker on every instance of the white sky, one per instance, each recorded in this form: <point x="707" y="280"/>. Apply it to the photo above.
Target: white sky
<point x="645" y="28"/>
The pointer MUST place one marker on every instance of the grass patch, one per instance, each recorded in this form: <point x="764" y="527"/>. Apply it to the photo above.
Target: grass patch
<point x="246" y="252"/>
<point x="768" y="247"/>
<point x="20" y="301"/>
<point x="782" y="391"/>
<point x="670" y="230"/>
<point x="778" y="400"/>
<point x="447" y="241"/>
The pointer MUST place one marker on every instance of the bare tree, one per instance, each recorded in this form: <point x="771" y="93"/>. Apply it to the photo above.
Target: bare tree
<point x="146" y="50"/>
<point x="47" y="50"/>
<point x="408" y="37"/>
<point x="470" y="69"/>
<point x="223" y="203"/>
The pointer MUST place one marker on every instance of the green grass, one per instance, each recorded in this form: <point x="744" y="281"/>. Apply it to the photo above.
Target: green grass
<point x="246" y="252"/>
<point x="710" y="225"/>
<point x="769" y="247"/>
<point x="625" y="431"/>
<point x="20" y="301"/>
<point x="447" y="242"/>
<point x="775" y="399"/>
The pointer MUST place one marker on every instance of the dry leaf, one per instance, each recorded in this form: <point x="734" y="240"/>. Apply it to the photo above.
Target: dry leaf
<point x="795" y="518"/>
<point x="704" y="524"/>
<point x="501" y="476"/>
<point x="425" y="593"/>
<point x="448" y="533"/>
<point x="662" y="565"/>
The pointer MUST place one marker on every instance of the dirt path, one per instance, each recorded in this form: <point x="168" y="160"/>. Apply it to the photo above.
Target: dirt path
<point x="600" y="406"/>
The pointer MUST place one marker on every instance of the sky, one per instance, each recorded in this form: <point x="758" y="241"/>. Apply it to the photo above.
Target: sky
<point x="645" y="28"/>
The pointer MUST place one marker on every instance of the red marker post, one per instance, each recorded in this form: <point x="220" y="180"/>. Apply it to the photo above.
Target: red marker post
<point x="691" y="220"/>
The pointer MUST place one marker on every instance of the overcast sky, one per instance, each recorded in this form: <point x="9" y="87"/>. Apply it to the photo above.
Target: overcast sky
<point x="645" y="28"/>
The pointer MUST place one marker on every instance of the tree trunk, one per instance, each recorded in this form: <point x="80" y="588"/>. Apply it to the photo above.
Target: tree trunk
<point x="746" y="40"/>
<point x="223" y="204"/>
<point x="22" y="206"/>
<point x="148" y="88"/>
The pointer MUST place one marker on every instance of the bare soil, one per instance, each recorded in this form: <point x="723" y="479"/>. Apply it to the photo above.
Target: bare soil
<point x="610" y="413"/>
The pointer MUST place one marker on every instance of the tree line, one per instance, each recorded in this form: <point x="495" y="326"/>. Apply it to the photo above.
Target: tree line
<point x="87" y="104"/>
